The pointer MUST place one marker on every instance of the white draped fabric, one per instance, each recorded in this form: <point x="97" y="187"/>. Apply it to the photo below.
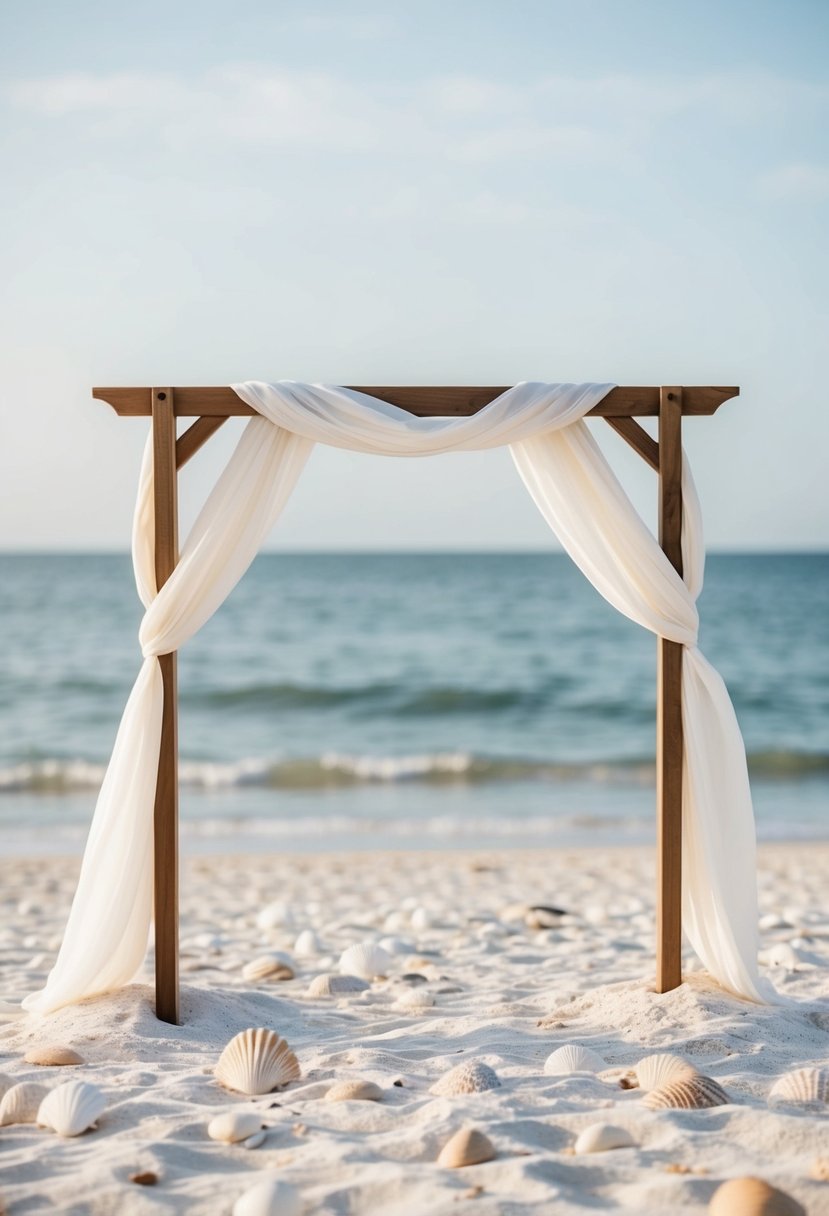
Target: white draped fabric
<point x="584" y="504"/>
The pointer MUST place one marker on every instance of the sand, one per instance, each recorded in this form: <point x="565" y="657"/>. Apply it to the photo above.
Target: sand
<point x="504" y="993"/>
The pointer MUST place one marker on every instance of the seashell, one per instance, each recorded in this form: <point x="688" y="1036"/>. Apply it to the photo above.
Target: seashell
<point x="688" y="1093"/>
<point x="254" y="1141"/>
<point x="419" y="962"/>
<point x="21" y="1103"/>
<point x="599" y="1137"/>
<point x="782" y="955"/>
<point x="354" y="1091"/>
<point x="336" y="985"/>
<point x="573" y="1058"/>
<point x="256" y="1062"/>
<point x="307" y="944"/>
<point x="421" y="919"/>
<point x="72" y="1108"/>
<point x="415" y="998"/>
<point x="470" y="1077"/>
<point x="804" y="1086"/>
<point x="234" y="1125"/>
<point x="273" y="1197"/>
<point x="53" y="1056"/>
<point x="820" y="1169"/>
<point x="145" y="1178"/>
<point x="466" y="1147"/>
<point x="396" y="945"/>
<point x="752" y="1197"/>
<point x="276" y="915"/>
<point x="655" y="1071"/>
<point x="543" y="917"/>
<point x="365" y="960"/>
<point x="268" y="967"/>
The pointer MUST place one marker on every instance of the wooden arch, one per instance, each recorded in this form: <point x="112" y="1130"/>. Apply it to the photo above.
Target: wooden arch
<point x="620" y="408"/>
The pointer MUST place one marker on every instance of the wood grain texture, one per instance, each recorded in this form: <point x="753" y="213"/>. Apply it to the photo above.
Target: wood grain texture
<point x="638" y="438"/>
<point x="165" y="822"/>
<point x="195" y="437"/>
<point x="425" y="402"/>
<point x="669" y="738"/>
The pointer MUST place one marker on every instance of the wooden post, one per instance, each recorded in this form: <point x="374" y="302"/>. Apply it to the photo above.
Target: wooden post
<point x="166" y="797"/>
<point x="669" y="742"/>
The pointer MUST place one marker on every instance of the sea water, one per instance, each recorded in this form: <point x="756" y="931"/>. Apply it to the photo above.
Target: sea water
<point x="405" y="700"/>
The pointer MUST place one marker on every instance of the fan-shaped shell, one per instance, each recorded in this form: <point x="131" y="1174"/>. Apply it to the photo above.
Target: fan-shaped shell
<point x="53" y="1055"/>
<point x="415" y="998"/>
<point x="21" y="1103"/>
<point x="307" y="944"/>
<point x="354" y="1091"/>
<point x="689" y="1093"/>
<point x="466" y="1147"/>
<point x="573" y="1058"/>
<point x="804" y="1085"/>
<point x="471" y="1077"/>
<point x="365" y="959"/>
<point x="268" y="967"/>
<point x="599" y="1137"/>
<point x="72" y="1108"/>
<point x="256" y="1062"/>
<point x="336" y="985"/>
<point x="234" y="1125"/>
<point x="657" y="1070"/>
<point x="273" y="1197"/>
<point x="752" y="1197"/>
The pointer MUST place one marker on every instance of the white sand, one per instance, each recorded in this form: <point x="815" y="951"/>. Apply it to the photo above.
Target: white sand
<point x="503" y="994"/>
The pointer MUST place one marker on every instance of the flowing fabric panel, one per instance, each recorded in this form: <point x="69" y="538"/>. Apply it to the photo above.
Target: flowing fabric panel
<point x="582" y="500"/>
<point x="106" y="934"/>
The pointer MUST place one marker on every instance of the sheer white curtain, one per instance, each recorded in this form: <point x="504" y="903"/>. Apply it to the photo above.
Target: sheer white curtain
<point x="582" y="501"/>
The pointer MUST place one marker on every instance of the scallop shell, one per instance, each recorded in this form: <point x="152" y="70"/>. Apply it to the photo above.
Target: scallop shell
<point x="268" y="967"/>
<point x="21" y="1103"/>
<point x="234" y="1125"/>
<point x="53" y="1055"/>
<point x="256" y="1062"/>
<point x="805" y="1086"/>
<point x="466" y="1147"/>
<point x="336" y="985"/>
<point x="354" y="1091"/>
<point x="655" y="1071"/>
<point x="471" y="1077"/>
<point x="307" y="944"/>
<point x="752" y="1197"/>
<point x="689" y="1093"/>
<point x="599" y="1137"/>
<point x="365" y="959"/>
<point x="72" y="1108"/>
<point x="573" y="1058"/>
<point x="275" y="916"/>
<point x="273" y="1197"/>
<point x="415" y="998"/>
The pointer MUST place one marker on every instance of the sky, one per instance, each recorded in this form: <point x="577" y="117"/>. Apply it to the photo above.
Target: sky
<point x="432" y="193"/>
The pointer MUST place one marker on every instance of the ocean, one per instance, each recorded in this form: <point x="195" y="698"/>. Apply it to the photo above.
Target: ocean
<point x="405" y="700"/>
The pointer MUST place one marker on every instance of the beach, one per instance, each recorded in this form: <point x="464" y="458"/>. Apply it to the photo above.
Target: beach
<point x="474" y="976"/>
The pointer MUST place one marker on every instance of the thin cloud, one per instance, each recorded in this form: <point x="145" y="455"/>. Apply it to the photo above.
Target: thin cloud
<point x="797" y="183"/>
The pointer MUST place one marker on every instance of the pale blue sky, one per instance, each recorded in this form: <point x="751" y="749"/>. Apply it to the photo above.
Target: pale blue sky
<point x="421" y="193"/>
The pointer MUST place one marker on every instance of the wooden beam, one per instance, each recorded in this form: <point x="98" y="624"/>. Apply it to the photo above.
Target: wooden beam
<point x="638" y="438"/>
<point x="195" y="437"/>
<point x="166" y="796"/>
<point x="422" y="401"/>
<point x="669" y="738"/>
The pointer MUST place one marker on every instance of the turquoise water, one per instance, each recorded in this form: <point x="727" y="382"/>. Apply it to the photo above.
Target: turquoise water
<point x="406" y="699"/>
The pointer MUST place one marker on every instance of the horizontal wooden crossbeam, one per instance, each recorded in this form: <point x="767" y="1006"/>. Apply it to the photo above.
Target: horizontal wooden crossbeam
<point x="423" y="401"/>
